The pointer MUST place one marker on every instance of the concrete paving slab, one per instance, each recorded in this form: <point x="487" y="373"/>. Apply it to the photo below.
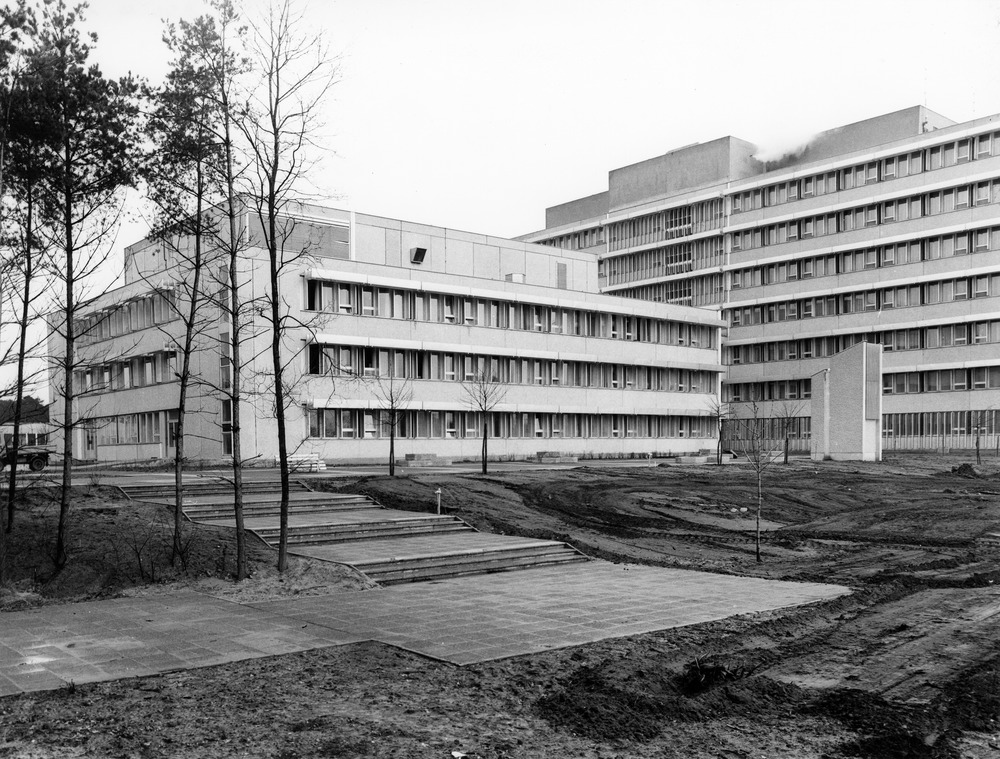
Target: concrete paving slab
<point x="569" y="605"/>
<point x="46" y="648"/>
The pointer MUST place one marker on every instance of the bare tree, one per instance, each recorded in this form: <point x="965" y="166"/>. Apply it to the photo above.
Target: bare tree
<point x="182" y="176"/>
<point x="751" y="435"/>
<point x="14" y="22"/>
<point x="980" y="426"/>
<point x="394" y="396"/>
<point x="23" y="279"/>
<point x="86" y="144"/>
<point x="787" y="414"/>
<point x="721" y="412"/>
<point x="280" y="128"/>
<point x="218" y="52"/>
<point x="483" y="393"/>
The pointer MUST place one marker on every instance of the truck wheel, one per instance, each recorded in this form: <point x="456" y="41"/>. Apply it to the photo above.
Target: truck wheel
<point x="37" y="464"/>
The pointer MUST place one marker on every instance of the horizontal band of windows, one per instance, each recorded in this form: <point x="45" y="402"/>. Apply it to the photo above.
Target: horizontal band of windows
<point x="941" y="380"/>
<point x="388" y="363"/>
<point x="909" y="296"/>
<point x="866" y="259"/>
<point x="694" y="291"/>
<point x="918" y="338"/>
<point x="938" y="423"/>
<point x="128" y="374"/>
<point x="867" y="173"/>
<point x="375" y="424"/>
<point x="407" y="305"/>
<point x="775" y="390"/>
<point x="124" y="429"/>
<point x="131" y="316"/>
<point x="870" y="215"/>
<point x="660" y="262"/>
<point x="668" y="224"/>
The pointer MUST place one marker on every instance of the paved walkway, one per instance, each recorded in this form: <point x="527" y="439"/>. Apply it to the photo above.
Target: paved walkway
<point x="462" y="621"/>
<point x="48" y="647"/>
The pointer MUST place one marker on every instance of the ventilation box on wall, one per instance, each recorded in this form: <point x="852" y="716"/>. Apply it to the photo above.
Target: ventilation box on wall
<point x="417" y="255"/>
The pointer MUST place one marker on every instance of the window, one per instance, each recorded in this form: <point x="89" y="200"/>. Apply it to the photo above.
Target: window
<point x="983" y="145"/>
<point x="225" y="364"/>
<point x="980" y="332"/>
<point x="344" y="304"/>
<point x="227" y="428"/>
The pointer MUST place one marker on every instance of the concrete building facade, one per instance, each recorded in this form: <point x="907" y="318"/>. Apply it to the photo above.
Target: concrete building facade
<point x="375" y="304"/>
<point x="885" y="231"/>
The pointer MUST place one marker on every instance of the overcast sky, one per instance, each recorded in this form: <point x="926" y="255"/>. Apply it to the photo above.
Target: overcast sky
<point x="477" y="115"/>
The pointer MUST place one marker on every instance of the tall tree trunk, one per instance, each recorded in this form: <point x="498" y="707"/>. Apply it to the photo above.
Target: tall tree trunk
<point x="69" y="361"/>
<point x="22" y="348"/>
<point x="760" y="501"/>
<point x="486" y="434"/>
<point x="718" y="447"/>
<point x="236" y="372"/>
<point x="392" y="445"/>
<point x="279" y="390"/>
<point x="178" y="551"/>
<point x="276" y="260"/>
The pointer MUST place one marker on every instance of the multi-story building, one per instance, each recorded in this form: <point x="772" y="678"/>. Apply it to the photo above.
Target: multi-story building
<point x="374" y="305"/>
<point x="887" y="231"/>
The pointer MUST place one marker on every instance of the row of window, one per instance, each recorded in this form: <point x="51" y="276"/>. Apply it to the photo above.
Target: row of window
<point x="693" y="291"/>
<point x="666" y="225"/>
<point x="138" y="371"/>
<point x="454" y="309"/>
<point x="870" y="172"/>
<point x="922" y="338"/>
<point x="373" y="424"/>
<point x="905" y="296"/>
<point x="767" y="428"/>
<point x="140" y="313"/>
<point x="895" y="254"/>
<point x="126" y="429"/>
<point x="461" y="367"/>
<point x="662" y="262"/>
<point x="941" y="380"/>
<point x="936" y="423"/>
<point x="588" y="238"/>
<point x="894" y="383"/>
<point x="778" y="390"/>
<point x="26" y="438"/>
<point x="886" y="212"/>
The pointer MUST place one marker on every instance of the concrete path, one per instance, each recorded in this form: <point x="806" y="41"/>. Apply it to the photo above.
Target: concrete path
<point x="462" y="621"/>
<point x="49" y="647"/>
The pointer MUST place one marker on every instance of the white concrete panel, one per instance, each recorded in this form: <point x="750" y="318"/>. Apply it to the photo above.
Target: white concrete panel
<point x="460" y="257"/>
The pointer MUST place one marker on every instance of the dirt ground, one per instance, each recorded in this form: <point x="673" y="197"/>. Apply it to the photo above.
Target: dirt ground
<point x="908" y="665"/>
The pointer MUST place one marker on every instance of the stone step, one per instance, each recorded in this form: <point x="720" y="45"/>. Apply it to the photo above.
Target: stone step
<point x="166" y="490"/>
<point x="194" y="500"/>
<point x="341" y="533"/>
<point x="468" y="563"/>
<point x="270" y="507"/>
